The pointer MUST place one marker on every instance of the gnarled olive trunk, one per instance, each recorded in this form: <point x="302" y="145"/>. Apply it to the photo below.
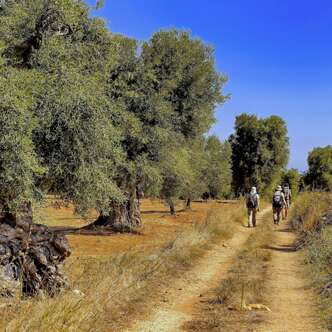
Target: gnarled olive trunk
<point x="31" y="256"/>
<point x="124" y="217"/>
<point x="188" y="204"/>
<point x="171" y="206"/>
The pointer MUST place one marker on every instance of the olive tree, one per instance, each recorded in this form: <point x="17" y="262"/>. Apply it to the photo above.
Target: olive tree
<point x="184" y="73"/>
<point x="74" y="136"/>
<point x="218" y="172"/>
<point x="168" y="93"/>
<point x="319" y="175"/>
<point x="260" y="150"/>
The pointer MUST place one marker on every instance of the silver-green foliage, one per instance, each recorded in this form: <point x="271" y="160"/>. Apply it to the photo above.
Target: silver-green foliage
<point x="73" y="135"/>
<point x="218" y="172"/>
<point x="19" y="163"/>
<point x="90" y="116"/>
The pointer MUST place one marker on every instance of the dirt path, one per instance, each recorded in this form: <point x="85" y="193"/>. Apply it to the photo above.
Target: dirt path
<point x="177" y="305"/>
<point x="290" y="299"/>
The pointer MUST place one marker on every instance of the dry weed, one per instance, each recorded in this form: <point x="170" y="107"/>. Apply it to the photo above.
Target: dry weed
<point x="243" y="285"/>
<point x="312" y="217"/>
<point x="107" y="291"/>
<point x="308" y="209"/>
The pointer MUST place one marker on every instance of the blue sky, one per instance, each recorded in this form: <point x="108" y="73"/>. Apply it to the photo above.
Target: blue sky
<point x="277" y="55"/>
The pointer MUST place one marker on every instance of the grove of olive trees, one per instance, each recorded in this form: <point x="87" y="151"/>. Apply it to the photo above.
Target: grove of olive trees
<point x="96" y="118"/>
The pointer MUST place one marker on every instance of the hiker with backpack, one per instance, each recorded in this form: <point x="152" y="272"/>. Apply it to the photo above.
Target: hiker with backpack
<point x="288" y="199"/>
<point x="278" y="204"/>
<point x="252" y="206"/>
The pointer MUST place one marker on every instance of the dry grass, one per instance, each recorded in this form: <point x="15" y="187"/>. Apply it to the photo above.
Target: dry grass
<point x="159" y="227"/>
<point x="312" y="217"/>
<point x="308" y="209"/>
<point x="118" y="287"/>
<point x="243" y="285"/>
<point x="54" y="213"/>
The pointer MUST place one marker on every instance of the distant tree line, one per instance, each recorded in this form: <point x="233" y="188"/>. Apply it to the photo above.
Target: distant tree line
<point x="260" y="152"/>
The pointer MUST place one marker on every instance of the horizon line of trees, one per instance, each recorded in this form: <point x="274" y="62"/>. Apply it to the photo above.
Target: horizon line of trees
<point x="260" y="153"/>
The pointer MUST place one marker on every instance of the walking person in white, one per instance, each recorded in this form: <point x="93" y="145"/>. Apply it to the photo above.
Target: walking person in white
<point x="278" y="204"/>
<point x="288" y="199"/>
<point x="252" y="206"/>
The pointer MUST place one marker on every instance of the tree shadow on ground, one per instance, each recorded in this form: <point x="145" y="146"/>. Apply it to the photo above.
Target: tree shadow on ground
<point x="286" y="230"/>
<point x="282" y="248"/>
<point x="162" y="211"/>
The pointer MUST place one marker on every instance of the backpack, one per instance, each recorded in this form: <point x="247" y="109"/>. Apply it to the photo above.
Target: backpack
<point x="252" y="201"/>
<point x="287" y="193"/>
<point x="277" y="200"/>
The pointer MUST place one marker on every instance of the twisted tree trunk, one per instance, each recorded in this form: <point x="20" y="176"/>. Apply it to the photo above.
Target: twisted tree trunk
<point x="171" y="206"/>
<point x="31" y="256"/>
<point x="188" y="204"/>
<point x="124" y="217"/>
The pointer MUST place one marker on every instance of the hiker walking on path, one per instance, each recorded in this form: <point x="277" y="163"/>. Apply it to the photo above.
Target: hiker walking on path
<point x="252" y="206"/>
<point x="288" y="199"/>
<point x="278" y="204"/>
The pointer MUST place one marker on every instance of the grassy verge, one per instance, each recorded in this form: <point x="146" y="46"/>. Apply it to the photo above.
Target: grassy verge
<point x="312" y="218"/>
<point x="111" y="291"/>
<point x="223" y="310"/>
<point x="308" y="210"/>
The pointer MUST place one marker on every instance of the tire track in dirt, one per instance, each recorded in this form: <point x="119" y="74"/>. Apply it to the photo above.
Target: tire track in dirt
<point x="290" y="298"/>
<point x="177" y="305"/>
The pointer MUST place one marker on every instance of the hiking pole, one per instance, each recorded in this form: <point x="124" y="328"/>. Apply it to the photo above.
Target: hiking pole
<point x="242" y="296"/>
